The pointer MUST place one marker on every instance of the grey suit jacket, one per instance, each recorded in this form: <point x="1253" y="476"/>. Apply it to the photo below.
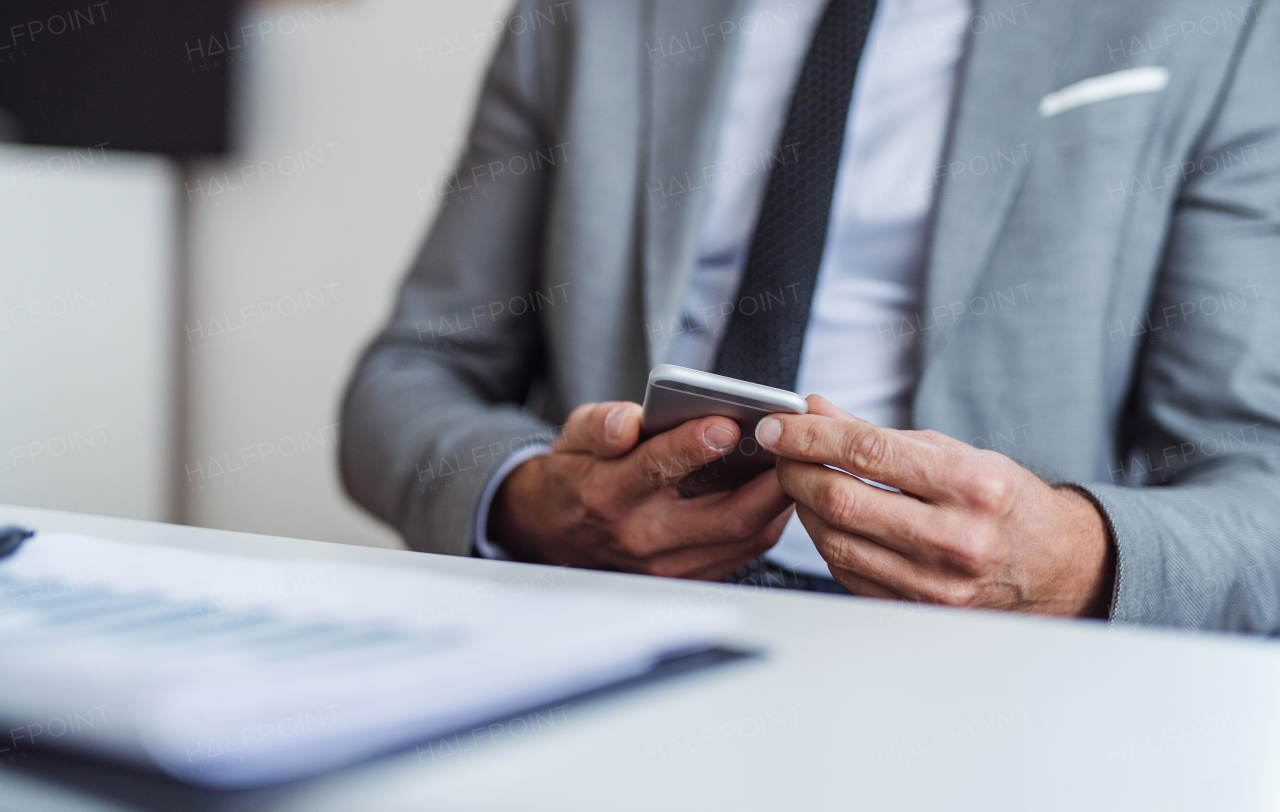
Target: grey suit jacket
<point x="1100" y="303"/>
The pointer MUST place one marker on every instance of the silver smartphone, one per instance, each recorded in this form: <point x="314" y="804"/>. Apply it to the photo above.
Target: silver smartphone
<point x="677" y="395"/>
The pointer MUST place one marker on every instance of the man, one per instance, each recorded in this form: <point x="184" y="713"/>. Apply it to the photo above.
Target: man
<point x="1034" y="248"/>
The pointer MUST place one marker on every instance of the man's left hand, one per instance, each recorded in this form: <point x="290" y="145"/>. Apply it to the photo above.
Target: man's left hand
<point x="969" y="528"/>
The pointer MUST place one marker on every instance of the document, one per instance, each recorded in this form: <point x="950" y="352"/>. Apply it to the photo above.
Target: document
<point x="234" y="672"/>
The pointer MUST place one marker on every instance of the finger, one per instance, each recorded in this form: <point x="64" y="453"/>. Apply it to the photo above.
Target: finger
<point x="898" y="522"/>
<point x="747" y="510"/>
<point x="913" y="464"/>
<point x="862" y="587"/>
<point x="725" y="518"/>
<point x="821" y="406"/>
<point x="741" y="557"/>
<point x="880" y="566"/>
<point x="824" y="408"/>
<point x="860" y="556"/>
<point x="664" y="460"/>
<point x="601" y="429"/>
<point x="715" y="562"/>
<point x="712" y="520"/>
<point x="703" y="561"/>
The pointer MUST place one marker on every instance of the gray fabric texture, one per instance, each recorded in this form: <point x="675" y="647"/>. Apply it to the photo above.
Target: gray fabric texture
<point x="1101" y="300"/>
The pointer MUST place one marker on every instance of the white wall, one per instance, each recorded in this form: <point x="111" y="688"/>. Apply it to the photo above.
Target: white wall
<point x="342" y="121"/>
<point x="87" y="269"/>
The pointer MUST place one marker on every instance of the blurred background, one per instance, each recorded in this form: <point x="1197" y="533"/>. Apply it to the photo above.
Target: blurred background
<point x="205" y="210"/>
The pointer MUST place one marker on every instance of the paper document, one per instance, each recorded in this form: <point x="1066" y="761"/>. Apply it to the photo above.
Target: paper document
<point x="228" y="672"/>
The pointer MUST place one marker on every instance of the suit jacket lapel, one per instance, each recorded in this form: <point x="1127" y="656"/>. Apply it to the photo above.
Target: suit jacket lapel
<point x="1007" y="70"/>
<point x="689" y="68"/>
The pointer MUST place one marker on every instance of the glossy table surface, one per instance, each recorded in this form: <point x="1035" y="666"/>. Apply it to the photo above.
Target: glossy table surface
<point x="847" y="704"/>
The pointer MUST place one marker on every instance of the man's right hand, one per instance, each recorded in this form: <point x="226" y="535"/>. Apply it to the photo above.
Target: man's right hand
<point x="604" y="500"/>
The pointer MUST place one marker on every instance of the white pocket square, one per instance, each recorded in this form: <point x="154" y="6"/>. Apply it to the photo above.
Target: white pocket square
<point x="1100" y="88"/>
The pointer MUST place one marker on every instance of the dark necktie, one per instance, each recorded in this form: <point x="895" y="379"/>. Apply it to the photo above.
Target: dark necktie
<point x="765" y="332"/>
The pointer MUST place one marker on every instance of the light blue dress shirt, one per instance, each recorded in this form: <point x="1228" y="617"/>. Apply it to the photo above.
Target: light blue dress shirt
<point x="868" y="282"/>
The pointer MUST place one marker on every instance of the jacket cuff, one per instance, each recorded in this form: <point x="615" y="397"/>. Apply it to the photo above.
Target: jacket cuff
<point x="440" y="512"/>
<point x="1136" y="547"/>
<point x="1112" y="543"/>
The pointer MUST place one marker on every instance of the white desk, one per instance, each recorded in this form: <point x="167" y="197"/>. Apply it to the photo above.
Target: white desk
<point x="855" y="704"/>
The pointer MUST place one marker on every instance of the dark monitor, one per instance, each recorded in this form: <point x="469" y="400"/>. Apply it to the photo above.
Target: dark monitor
<point x="116" y="74"/>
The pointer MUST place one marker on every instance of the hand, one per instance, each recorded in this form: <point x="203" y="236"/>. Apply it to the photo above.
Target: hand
<point x="602" y="499"/>
<point x="970" y="528"/>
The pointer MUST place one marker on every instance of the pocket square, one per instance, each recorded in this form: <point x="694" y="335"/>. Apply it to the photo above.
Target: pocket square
<point x="1100" y="88"/>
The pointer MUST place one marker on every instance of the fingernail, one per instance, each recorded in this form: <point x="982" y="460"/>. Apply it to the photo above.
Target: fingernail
<point x="718" y="438"/>
<point x="613" y="422"/>
<point x="768" y="431"/>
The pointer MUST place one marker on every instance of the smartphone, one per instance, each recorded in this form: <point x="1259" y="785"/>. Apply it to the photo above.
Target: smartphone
<point x="677" y="395"/>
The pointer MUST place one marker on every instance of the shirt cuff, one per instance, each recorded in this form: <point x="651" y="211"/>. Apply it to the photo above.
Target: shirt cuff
<point x="485" y="547"/>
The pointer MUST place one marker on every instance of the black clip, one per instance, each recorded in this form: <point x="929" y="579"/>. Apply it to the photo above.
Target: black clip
<point x="11" y="539"/>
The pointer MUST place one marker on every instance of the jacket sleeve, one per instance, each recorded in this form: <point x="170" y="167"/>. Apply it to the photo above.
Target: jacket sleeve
<point x="1195" y="509"/>
<point x="434" y="405"/>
